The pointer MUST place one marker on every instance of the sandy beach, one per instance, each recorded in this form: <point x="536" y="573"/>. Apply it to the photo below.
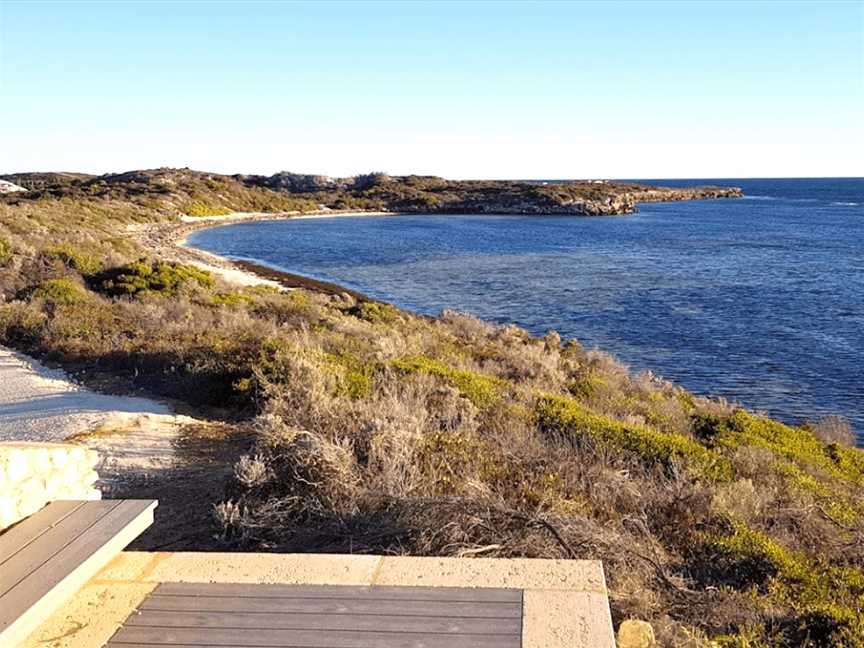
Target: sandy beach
<point x="170" y="242"/>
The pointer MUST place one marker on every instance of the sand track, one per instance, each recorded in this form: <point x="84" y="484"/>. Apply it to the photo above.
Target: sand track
<point x="42" y="404"/>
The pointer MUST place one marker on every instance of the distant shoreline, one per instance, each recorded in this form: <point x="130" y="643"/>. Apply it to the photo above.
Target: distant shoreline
<point x="171" y="241"/>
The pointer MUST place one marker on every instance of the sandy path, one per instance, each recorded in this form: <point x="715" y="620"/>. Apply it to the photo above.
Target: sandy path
<point x="145" y="450"/>
<point x="42" y="404"/>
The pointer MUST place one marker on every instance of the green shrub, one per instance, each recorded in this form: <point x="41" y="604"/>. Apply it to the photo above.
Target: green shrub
<point x="376" y="312"/>
<point x="60" y="291"/>
<point x="792" y="443"/>
<point x="587" y="386"/>
<point x="232" y="298"/>
<point x="143" y="278"/>
<point x="826" y="599"/>
<point x="76" y="259"/>
<point x="567" y="416"/>
<point x="479" y="389"/>
<point x="299" y="299"/>
<point x="200" y="208"/>
<point x="355" y="377"/>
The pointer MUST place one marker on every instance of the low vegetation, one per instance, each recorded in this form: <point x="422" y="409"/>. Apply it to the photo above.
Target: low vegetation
<point x="145" y="278"/>
<point x="206" y="194"/>
<point x="5" y="252"/>
<point x="375" y="430"/>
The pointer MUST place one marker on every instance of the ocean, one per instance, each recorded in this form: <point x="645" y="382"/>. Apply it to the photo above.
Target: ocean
<point x="759" y="300"/>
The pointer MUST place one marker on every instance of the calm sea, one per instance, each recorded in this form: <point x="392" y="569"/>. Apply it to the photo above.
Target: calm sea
<point x="759" y="299"/>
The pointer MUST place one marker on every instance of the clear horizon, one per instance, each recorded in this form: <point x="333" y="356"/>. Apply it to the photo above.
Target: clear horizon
<point x="647" y="90"/>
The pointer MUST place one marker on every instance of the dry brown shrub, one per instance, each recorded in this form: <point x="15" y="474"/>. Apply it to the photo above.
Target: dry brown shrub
<point x="754" y="463"/>
<point x="467" y="326"/>
<point x="741" y="500"/>
<point x="834" y="429"/>
<point x="395" y="427"/>
<point x="251" y="471"/>
<point x="530" y="364"/>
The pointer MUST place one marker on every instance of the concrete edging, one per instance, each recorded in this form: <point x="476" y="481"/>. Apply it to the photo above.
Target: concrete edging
<point x="565" y="604"/>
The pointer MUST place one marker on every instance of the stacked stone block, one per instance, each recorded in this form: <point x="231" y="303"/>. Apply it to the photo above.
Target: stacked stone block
<point x="34" y="474"/>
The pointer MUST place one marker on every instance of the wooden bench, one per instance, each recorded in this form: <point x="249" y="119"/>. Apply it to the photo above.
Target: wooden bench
<point x="185" y="615"/>
<point x="47" y="557"/>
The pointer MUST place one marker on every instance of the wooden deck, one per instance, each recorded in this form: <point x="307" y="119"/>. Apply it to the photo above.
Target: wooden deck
<point x="183" y="615"/>
<point x="47" y="557"/>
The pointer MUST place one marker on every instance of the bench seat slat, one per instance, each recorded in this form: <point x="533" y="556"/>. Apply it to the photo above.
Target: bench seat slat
<point x="19" y="536"/>
<point x="62" y="557"/>
<point x="54" y="540"/>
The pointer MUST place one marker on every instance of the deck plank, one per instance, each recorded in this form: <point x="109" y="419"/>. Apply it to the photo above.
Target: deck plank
<point x="228" y="605"/>
<point x="365" y="622"/>
<point x="378" y="592"/>
<point x="228" y="615"/>
<point x="306" y="638"/>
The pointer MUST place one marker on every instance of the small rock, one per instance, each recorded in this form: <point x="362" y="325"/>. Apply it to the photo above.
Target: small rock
<point x="635" y="634"/>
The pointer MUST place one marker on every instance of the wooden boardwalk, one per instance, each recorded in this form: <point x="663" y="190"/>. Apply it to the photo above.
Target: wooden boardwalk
<point x="183" y="615"/>
<point x="47" y="557"/>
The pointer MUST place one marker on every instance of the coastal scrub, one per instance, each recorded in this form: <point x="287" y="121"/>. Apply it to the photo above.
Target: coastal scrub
<point x="156" y="278"/>
<point x="367" y="429"/>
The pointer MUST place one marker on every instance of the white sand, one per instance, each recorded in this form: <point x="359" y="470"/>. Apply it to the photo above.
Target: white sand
<point x="228" y="217"/>
<point x="222" y="267"/>
<point x="42" y="404"/>
<point x="239" y="216"/>
<point x="237" y="276"/>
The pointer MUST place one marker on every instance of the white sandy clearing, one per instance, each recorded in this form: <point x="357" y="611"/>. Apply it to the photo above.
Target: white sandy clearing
<point x="42" y="404"/>
<point x="239" y="216"/>
<point x="232" y="216"/>
<point x="234" y="275"/>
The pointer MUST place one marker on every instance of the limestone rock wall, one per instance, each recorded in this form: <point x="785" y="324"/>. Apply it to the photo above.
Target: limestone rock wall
<point x="33" y="474"/>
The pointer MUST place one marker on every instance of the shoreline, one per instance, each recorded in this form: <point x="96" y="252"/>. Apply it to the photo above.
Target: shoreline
<point x="171" y="242"/>
<point x="291" y="280"/>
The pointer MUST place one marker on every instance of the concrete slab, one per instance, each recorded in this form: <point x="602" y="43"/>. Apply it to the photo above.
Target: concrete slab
<point x="581" y="575"/>
<point x="559" y="619"/>
<point x="90" y="618"/>
<point x="322" y="569"/>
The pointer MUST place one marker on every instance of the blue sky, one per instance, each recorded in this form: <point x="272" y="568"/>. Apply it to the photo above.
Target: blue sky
<point x="464" y="90"/>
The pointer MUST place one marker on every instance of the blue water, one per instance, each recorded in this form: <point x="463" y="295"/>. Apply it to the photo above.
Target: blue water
<point x="759" y="299"/>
